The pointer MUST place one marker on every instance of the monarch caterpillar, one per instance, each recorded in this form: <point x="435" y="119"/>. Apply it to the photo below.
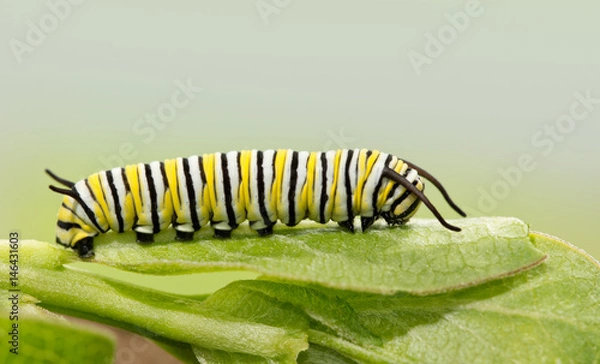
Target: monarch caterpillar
<point x="226" y="189"/>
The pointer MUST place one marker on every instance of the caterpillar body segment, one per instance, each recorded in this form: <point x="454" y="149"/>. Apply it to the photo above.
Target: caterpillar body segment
<point x="226" y="189"/>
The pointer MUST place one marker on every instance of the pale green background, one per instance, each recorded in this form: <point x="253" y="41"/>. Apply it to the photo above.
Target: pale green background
<point x="317" y="71"/>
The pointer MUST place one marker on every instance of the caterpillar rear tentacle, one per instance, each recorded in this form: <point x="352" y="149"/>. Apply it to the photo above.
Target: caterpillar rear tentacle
<point x="225" y="189"/>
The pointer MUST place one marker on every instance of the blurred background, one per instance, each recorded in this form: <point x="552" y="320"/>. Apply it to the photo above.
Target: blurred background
<point x="499" y="100"/>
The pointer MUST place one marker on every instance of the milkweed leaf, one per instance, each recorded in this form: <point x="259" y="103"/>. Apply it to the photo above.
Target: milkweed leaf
<point x="493" y="293"/>
<point x="421" y="258"/>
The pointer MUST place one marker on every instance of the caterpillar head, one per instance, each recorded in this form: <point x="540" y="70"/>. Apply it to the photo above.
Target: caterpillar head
<point x="72" y="228"/>
<point x="406" y="205"/>
<point x="403" y="205"/>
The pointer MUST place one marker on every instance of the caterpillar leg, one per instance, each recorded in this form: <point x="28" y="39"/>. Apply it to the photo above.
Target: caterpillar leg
<point x="348" y="225"/>
<point x="262" y="228"/>
<point x="184" y="232"/>
<point x="144" y="238"/>
<point x="366" y="222"/>
<point x="184" y="235"/>
<point x="390" y="219"/>
<point x="266" y="231"/>
<point x="85" y="247"/>
<point x="222" y="229"/>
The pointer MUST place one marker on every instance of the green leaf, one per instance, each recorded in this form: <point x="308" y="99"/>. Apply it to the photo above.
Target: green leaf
<point x="181" y="351"/>
<point x="481" y="295"/>
<point x="421" y="258"/>
<point x="318" y="355"/>
<point x="314" y="355"/>
<point x="42" y="335"/>
<point x="548" y="314"/>
<point x="287" y="305"/>
<point x="163" y="315"/>
<point x="212" y="356"/>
